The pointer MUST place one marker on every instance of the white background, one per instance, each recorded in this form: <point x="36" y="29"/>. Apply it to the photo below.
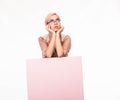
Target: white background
<point x="94" y="26"/>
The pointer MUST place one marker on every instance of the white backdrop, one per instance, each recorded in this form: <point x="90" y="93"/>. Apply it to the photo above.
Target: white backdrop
<point x="94" y="26"/>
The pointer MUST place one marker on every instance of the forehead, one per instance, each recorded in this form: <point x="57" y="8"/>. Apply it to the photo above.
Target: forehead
<point x="54" y="17"/>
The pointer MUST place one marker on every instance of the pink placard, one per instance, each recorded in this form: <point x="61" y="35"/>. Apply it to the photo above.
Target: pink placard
<point x="55" y="79"/>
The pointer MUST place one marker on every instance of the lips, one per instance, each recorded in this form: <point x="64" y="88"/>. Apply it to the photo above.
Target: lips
<point x="56" y="27"/>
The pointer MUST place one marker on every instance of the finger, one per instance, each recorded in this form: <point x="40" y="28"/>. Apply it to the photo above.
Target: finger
<point x="62" y="27"/>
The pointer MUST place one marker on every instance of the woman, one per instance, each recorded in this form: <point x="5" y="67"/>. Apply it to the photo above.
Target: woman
<point x="54" y="44"/>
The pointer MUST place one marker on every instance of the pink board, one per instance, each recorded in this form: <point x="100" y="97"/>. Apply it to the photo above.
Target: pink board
<point x="55" y="79"/>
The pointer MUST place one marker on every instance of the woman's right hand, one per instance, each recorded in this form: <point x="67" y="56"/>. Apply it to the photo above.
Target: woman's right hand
<point x="49" y="29"/>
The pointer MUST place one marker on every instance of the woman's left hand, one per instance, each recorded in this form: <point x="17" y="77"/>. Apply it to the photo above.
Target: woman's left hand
<point x="60" y="30"/>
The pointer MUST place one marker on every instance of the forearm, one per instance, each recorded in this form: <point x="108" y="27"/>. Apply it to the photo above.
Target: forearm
<point x="59" y="47"/>
<point x="51" y="47"/>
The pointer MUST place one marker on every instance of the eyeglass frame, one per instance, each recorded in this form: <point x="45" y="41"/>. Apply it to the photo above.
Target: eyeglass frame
<point x="53" y="21"/>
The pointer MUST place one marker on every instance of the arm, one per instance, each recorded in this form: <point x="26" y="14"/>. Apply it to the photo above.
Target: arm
<point x="59" y="47"/>
<point x="43" y="45"/>
<point x="51" y="46"/>
<point x="62" y="48"/>
<point x="66" y="45"/>
<point x="47" y="49"/>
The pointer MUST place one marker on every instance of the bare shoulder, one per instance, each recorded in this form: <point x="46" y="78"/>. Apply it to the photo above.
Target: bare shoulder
<point x="64" y="37"/>
<point x="67" y="37"/>
<point x="43" y="38"/>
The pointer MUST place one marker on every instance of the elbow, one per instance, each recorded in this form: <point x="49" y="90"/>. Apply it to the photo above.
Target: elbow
<point x="48" y="55"/>
<point x="60" y="55"/>
<point x="63" y="54"/>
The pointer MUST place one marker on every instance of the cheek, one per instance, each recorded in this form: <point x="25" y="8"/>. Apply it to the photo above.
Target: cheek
<point x="52" y="27"/>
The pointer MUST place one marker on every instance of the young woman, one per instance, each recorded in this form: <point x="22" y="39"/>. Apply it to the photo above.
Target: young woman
<point x="54" y="44"/>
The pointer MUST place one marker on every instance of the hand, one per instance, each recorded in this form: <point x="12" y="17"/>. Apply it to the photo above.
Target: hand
<point x="60" y="30"/>
<point x="49" y="29"/>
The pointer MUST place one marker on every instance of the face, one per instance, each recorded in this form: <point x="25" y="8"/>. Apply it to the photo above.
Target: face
<point x="54" y="23"/>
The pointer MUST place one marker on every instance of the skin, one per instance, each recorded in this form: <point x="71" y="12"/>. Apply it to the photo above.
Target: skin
<point x="54" y="30"/>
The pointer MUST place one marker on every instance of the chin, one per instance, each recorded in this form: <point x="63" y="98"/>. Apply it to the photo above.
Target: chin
<point x="56" y="30"/>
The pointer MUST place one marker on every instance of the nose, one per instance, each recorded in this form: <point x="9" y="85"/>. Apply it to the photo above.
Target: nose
<point x="55" y="22"/>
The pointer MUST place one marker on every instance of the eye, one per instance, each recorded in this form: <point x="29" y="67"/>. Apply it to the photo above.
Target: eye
<point x="51" y="21"/>
<point x="58" y="19"/>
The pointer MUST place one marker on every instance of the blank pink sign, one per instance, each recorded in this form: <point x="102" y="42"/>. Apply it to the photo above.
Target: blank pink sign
<point x="55" y="79"/>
